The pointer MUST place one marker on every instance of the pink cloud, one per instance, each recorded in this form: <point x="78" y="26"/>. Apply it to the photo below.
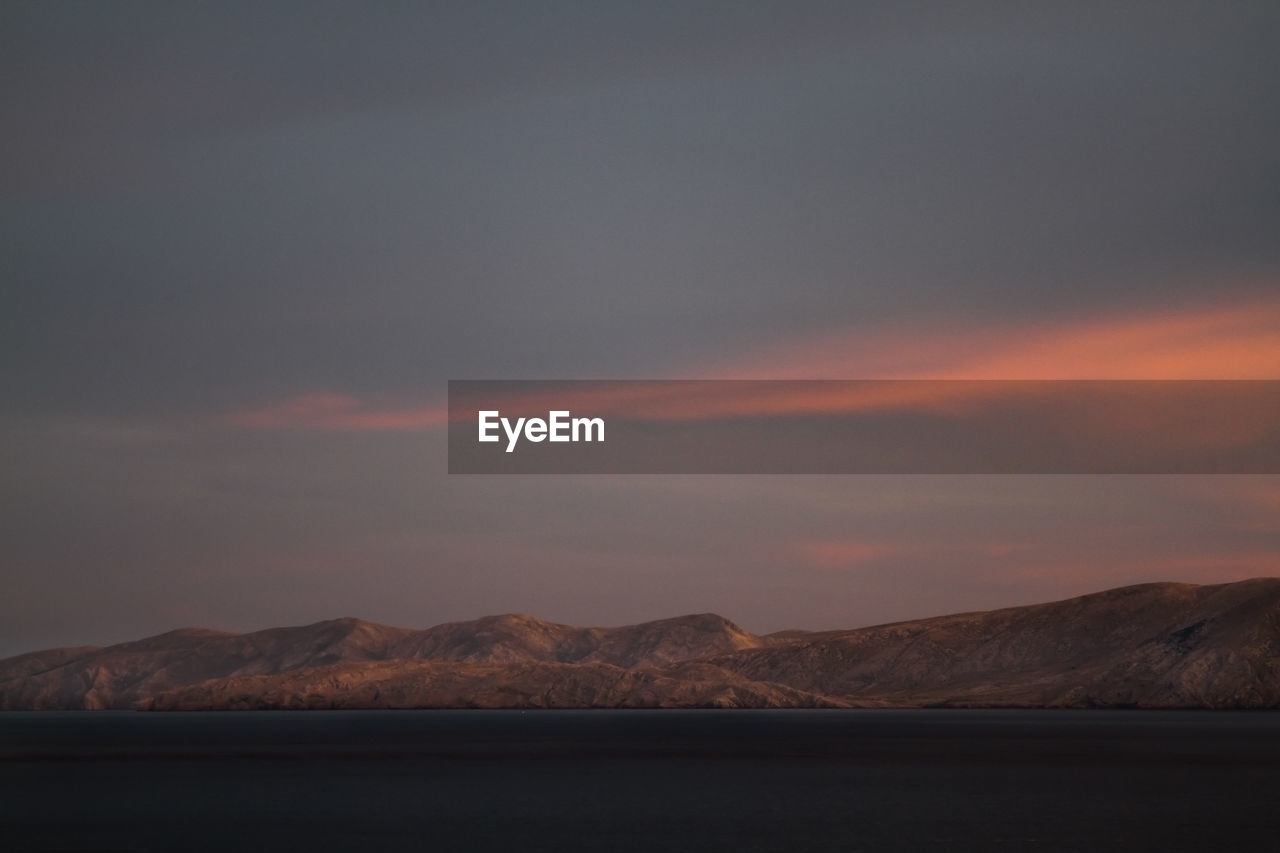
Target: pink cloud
<point x="841" y="554"/>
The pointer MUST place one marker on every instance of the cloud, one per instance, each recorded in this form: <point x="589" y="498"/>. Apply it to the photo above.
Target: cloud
<point x="1202" y="566"/>
<point x="827" y="554"/>
<point x="1234" y="341"/>
<point x="1239" y="340"/>
<point x="856" y="553"/>
<point x="329" y="411"/>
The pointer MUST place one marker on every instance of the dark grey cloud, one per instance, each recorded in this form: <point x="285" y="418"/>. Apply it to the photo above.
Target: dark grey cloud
<point x="212" y="206"/>
<point x="212" y="201"/>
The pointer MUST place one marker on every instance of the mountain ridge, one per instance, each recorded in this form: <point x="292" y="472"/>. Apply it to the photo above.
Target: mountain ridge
<point x="1145" y="645"/>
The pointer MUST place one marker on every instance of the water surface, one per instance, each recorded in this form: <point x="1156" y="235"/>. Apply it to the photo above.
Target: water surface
<point x="640" y="780"/>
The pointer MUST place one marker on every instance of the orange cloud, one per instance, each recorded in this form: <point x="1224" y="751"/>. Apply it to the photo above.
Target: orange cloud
<point x="1236" y="341"/>
<point x="691" y="400"/>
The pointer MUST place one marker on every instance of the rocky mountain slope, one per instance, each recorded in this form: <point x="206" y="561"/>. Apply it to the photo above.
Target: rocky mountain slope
<point x="120" y="676"/>
<point x="1155" y="645"/>
<point x="529" y="684"/>
<point x="1161" y="645"/>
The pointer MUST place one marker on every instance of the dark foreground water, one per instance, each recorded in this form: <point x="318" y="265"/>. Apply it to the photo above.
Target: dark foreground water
<point x="638" y="780"/>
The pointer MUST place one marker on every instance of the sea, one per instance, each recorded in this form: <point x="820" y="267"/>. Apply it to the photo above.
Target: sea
<point x="705" y="780"/>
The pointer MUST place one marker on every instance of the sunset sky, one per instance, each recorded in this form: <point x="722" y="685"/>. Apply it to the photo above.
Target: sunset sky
<point x="246" y="245"/>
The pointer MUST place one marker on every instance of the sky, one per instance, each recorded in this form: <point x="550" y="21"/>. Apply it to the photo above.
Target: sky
<point x="245" y="245"/>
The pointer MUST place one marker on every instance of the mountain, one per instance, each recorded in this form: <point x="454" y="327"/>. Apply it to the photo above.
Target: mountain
<point x="512" y="638"/>
<point x="1162" y="645"/>
<point x="123" y="675"/>
<point x="446" y="684"/>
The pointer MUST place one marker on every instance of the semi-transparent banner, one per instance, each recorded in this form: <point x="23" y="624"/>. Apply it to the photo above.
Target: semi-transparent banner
<point x="864" y="427"/>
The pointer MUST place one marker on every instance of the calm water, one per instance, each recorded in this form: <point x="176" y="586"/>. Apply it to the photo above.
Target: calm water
<point x="637" y="780"/>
